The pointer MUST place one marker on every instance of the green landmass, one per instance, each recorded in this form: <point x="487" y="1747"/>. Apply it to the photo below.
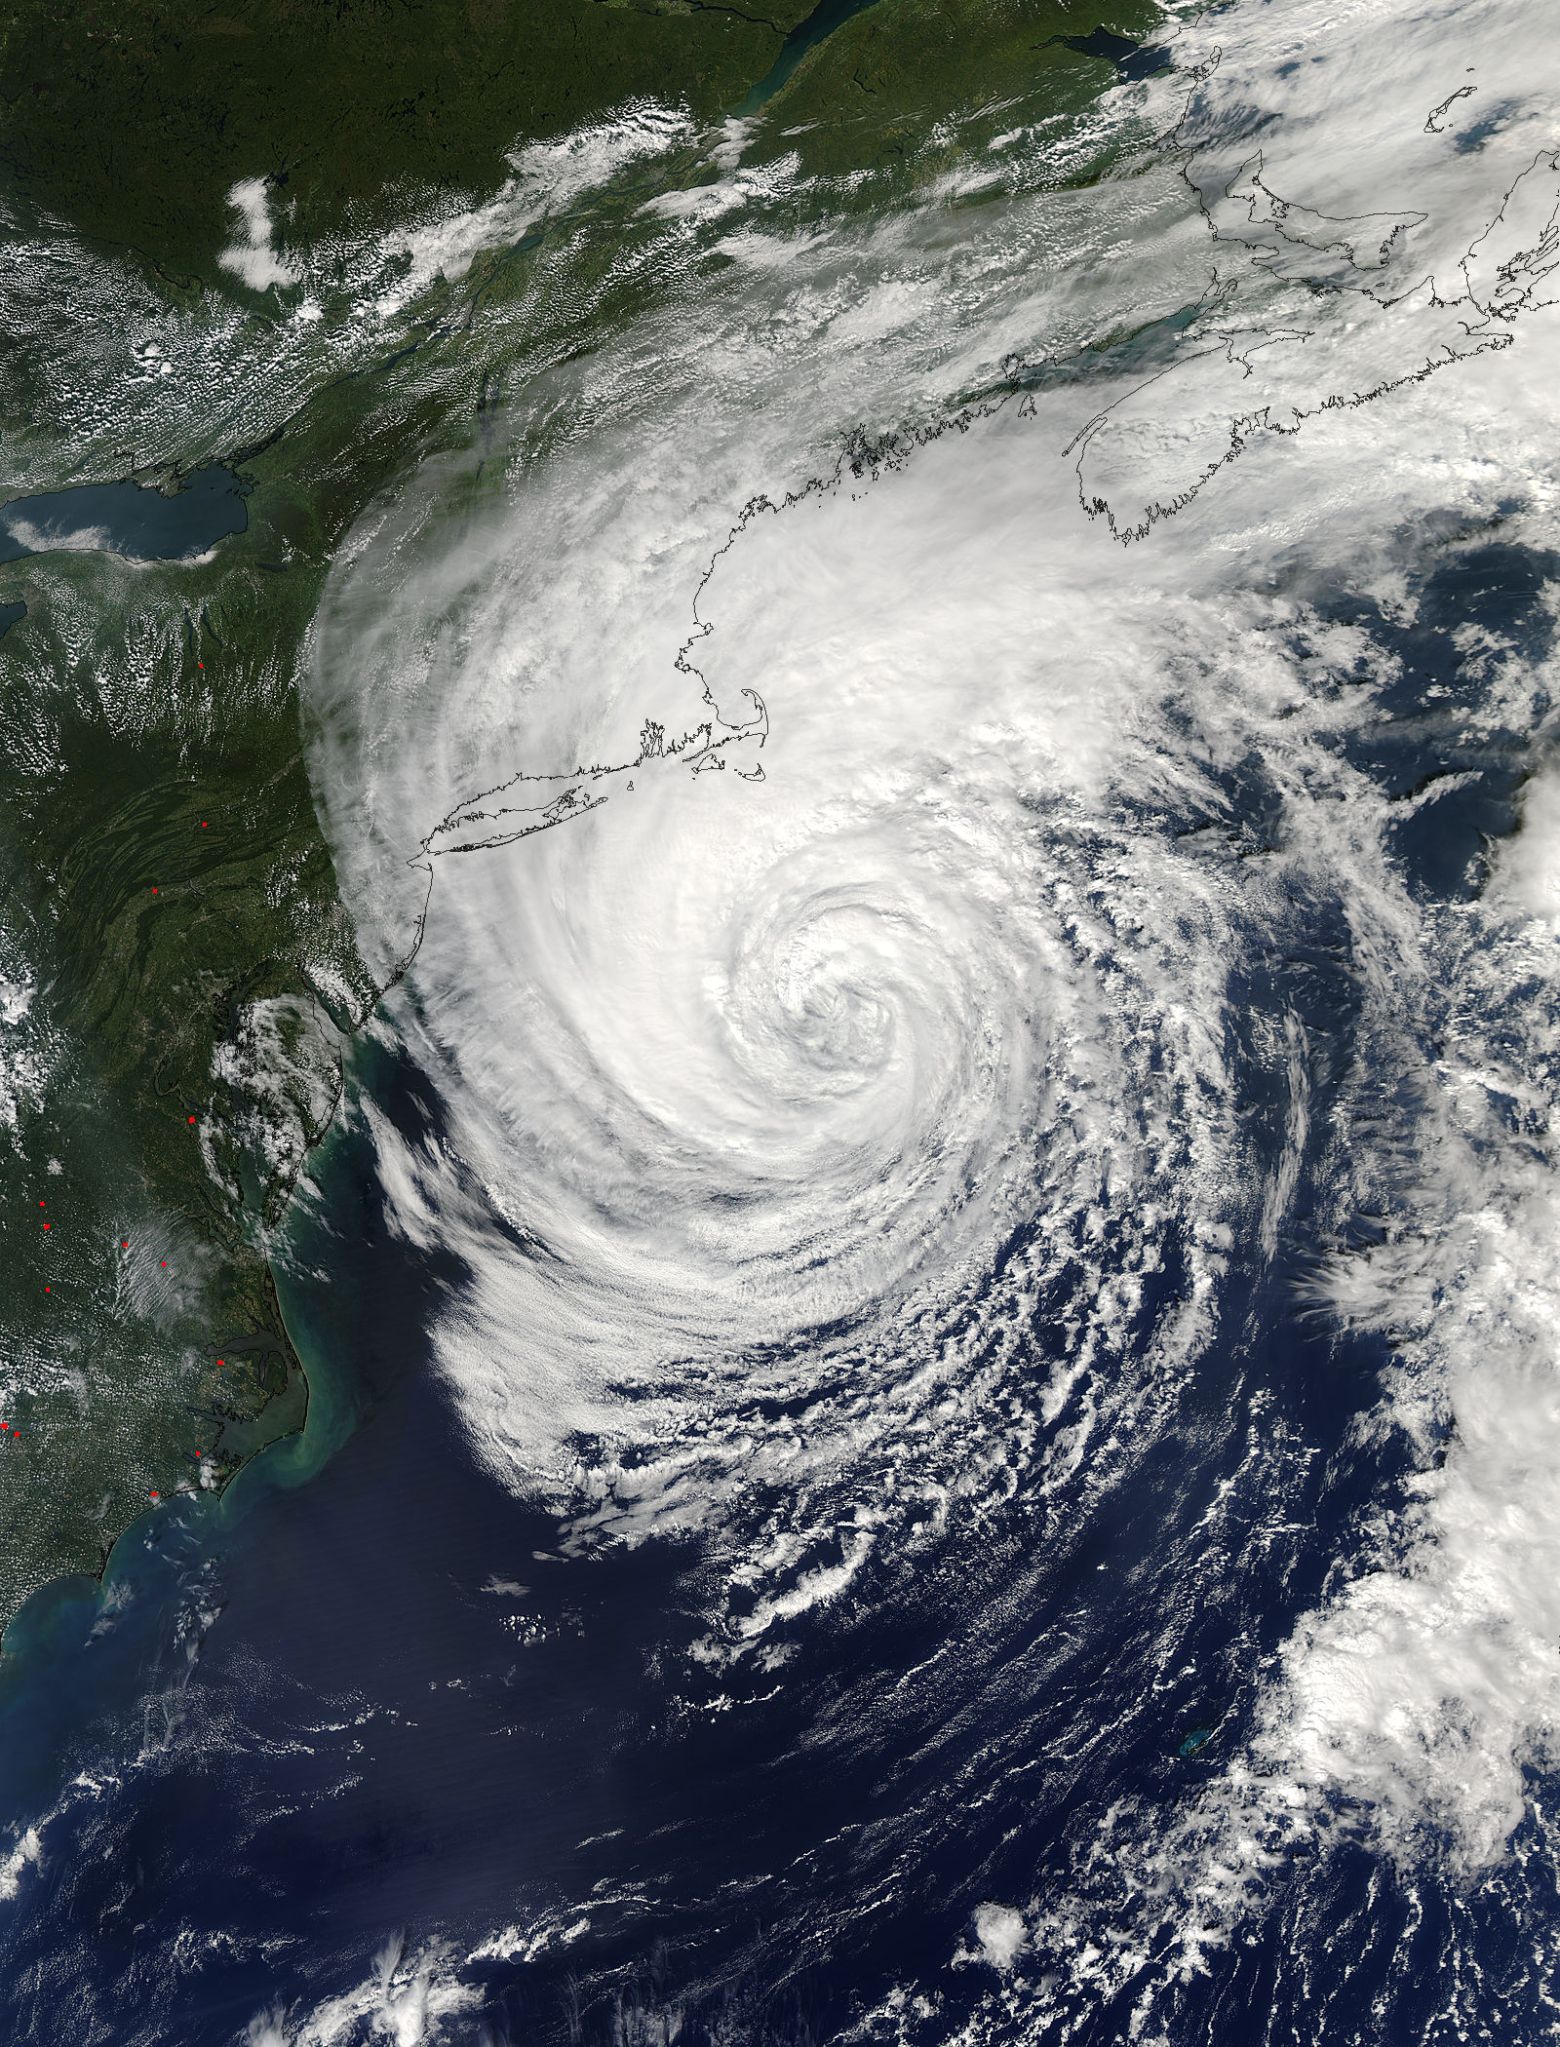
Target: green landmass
<point x="178" y="980"/>
<point x="132" y="119"/>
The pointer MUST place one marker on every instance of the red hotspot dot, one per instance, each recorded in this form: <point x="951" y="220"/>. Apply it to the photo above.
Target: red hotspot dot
<point x="189" y="1119"/>
<point x="43" y="1204"/>
<point x="48" y="1226"/>
<point x="154" y="1496"/>
<point x="154" y="891"/>
<point x="162" y="1261"/>
<point x="48" y="1290"/>
<point x="124" y="1243"/>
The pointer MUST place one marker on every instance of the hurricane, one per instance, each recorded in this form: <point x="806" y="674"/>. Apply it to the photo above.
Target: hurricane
<point x="958" y="823"/>
<point x="943" y="966"/>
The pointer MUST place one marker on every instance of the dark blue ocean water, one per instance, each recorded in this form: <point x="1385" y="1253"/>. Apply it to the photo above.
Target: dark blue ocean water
<point x="325" y="1732"/>
<point x="363" y="1699"/>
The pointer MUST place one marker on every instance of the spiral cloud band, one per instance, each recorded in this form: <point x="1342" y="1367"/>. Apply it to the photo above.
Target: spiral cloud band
<point x="904" y="971"/>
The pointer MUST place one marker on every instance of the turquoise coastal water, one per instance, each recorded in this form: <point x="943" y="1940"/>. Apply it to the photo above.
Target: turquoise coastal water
<point x="806" y="36"/>
<point x="83" y="1655"/>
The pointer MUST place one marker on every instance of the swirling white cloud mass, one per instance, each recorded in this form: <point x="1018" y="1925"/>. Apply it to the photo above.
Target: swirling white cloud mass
<point x="864" y="899"/>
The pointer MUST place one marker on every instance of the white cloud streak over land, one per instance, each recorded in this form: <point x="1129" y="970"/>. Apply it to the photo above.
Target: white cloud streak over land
<point x="253" y="257"/>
